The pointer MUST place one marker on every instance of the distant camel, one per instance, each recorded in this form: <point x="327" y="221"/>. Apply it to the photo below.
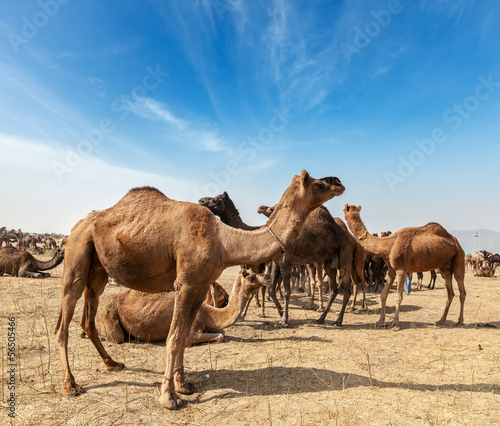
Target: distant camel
<point x="19" y="263"/>
<point x="151" y="243"/>
<point x="486" y="272"/>
<point x="413" y="249"/>
<point x="148" y="316"/>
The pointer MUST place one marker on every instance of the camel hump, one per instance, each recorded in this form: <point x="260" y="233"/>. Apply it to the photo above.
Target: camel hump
<point x="146" y="189"/>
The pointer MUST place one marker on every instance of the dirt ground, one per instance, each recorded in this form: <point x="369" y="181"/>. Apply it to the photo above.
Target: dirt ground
<point x="262" y="374"/>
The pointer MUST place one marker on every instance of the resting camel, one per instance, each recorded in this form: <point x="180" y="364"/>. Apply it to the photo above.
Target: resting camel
<point x="222" y="206"/>
<point x="414" y="249"/>
<point x="19" y="263"/>
<point x="486" y="272"/>
<point x="217" y="296"/>
<point x="148" y="316"/>
<point x="151" y="243"/>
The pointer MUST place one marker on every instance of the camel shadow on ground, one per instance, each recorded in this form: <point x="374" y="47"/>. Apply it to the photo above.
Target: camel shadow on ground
<point x="288" y="380"/>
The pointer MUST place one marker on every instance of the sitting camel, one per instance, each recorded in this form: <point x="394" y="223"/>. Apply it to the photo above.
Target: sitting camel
<point x="151" y="243"/>
<point x="19" y="263"/>
<point x="148" y="316"/>
<point x="414" y="249"/>
<point x="486" y="272"/>
<point x="217" y="296"/>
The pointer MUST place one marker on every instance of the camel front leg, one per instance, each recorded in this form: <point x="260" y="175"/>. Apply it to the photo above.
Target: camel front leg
<point x="401" y="275"/>
<point x="187" y="303"/>
<point x="391" y="275"/>
<point x="320" y="287"/>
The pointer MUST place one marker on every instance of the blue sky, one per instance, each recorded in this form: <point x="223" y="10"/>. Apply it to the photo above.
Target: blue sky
<point x="399" y="99"/>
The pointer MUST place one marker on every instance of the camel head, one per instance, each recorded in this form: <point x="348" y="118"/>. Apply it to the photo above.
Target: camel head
<point x="266" y="210"/>
<point x="351" y="211"/>
<point x="216" y="204"/>
<point x="252" y="281"/>
<point x="311" y="192"/>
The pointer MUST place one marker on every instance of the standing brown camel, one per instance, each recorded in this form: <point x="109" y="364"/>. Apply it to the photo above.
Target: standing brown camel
<point x="414" y="249"/>
<point x="151" y="243"/>
<point x="19" y="263"/>
<point x="148" y="316"/>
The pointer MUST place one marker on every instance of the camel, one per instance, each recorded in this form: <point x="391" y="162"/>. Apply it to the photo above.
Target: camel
<point x="477" y="261"/>
<point x="413" y="249"/>
<point x="358" y="257"/>
<point x="20" y="263"/>
<point x="151" y="243"/>
<point x="325" y="244"/>
<point x="486" y="272"/>
<point x="222" y="206"/>
<point x="148" y="316"/>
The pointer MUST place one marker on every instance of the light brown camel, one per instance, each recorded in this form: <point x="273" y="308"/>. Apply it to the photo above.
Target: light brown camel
<point x="19" y="263"/>
<point x="151" y="243"/>
<point x="413" y="249"/>
<point x="148" y="316"/>
<point x="486" y="272"/>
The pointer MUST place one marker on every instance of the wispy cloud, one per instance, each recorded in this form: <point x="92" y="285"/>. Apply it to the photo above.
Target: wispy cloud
<point x="154" y="110"/>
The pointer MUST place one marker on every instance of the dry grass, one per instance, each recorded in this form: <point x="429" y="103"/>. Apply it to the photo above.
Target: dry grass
<point x="305" y="374"/>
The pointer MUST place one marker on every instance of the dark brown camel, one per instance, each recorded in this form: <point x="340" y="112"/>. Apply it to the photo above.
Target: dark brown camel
<point x="413" y="249"/>
<point x="19" y="263"/>
<point x="151" y="243"/>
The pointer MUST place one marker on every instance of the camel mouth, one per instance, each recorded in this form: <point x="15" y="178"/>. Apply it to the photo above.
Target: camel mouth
<point x="205" y="201"/>
<point x="334" y="183"/>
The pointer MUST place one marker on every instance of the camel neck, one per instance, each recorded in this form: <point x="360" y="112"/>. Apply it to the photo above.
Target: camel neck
<point x="218" y="318"/>
<point x="49" y="264"/>
<point x="373" y="245"/>
<point x="254" y="247"/>
<point x="232" y="217"/>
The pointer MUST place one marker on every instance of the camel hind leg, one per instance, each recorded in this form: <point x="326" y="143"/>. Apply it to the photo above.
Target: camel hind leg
<point x="76" y="270"/>
<point x="446" y="274"/>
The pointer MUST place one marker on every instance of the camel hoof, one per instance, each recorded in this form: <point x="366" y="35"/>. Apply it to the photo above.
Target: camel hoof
<point x="73" y="390"/>
<point x="185" y="388"/>
<point x="309" y="306"/>
<point x="320" y="321"/>
<point x="380" y="324"/>
<point x="171" y="402"/>
<point x="335" y="325"/>
<point x="117" y="366"/>
<point x="395" y="327"/>
<point x="320" y="309"/>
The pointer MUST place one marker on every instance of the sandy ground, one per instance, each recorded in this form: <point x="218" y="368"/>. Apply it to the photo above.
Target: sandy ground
<point x="262" y="374"/>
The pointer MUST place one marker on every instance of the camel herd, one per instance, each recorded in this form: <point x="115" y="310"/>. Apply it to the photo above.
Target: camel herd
<point x="169" y="253"/>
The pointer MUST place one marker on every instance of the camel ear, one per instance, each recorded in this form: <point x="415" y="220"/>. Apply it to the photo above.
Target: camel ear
<point x="305" y="176"/>
<point x="225" y="194"/>
<point x="359" y="207"/>
<point x="346" y="207"/>
<point x="245" y="272"/>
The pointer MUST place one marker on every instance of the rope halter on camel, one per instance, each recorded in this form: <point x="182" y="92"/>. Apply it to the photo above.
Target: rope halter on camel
<point x="276" y="238"/>
<point x="362" y="236"/>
